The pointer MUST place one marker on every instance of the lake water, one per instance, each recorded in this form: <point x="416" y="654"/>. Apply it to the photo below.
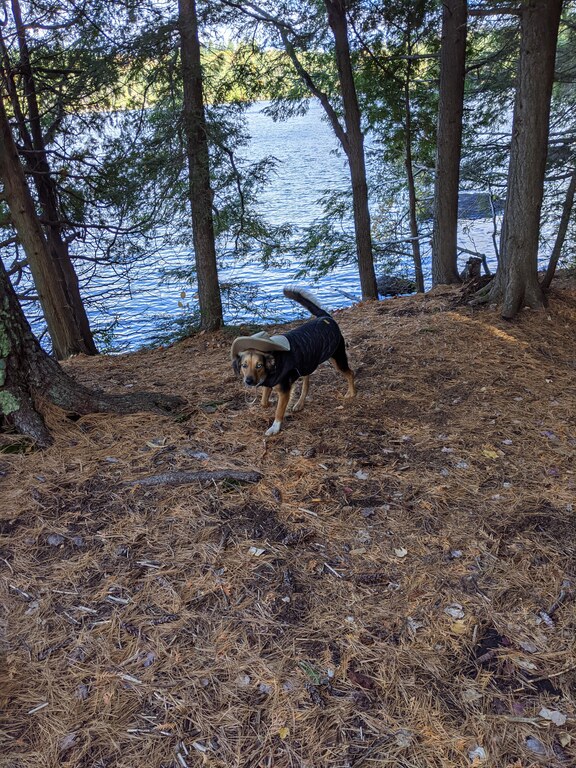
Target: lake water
<point x="308" y="165"/>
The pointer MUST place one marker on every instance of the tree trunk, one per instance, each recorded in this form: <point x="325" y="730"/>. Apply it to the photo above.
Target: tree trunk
<point x="449" y="143"/>
<point x="412" y="200"/>
<point x="78" y="336"/>
<point x="561" y="234"/>
<point x="354" y="147"/>
<point x="516" y="283"/>
<point x="199" y="169"/>
<point x="51" y="288"/>
<point x="28" y="377"/>
<point x="350" y="137"/>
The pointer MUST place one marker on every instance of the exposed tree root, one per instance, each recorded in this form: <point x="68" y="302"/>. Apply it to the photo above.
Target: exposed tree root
<point x="29" y="378"/>
<point x="483" y="296"/>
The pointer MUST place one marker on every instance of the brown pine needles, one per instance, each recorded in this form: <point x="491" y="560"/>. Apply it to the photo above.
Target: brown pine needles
<point x="376" y="598"/>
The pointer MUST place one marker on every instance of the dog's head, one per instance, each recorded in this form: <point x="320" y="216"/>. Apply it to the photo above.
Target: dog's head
<point x="253" y="366"/>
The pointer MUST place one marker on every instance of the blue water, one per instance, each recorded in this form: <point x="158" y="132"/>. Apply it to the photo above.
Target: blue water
<point x="309" y="164"/>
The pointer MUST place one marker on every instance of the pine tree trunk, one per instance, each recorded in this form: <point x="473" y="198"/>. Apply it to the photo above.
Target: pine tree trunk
<point x="199" y="170"/>
<point x="449" y="143"/>
<point x="516" y="284"/>
<point x="561" y="234"/>
<point x="29" y="377"/>
<point x="354" y="147"/>
<point x="412" y="199"/>
<point x="77" y="337"/>
<point x="51" y="288"/>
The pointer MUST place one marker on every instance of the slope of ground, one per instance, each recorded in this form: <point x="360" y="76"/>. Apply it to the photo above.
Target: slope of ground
<point x="397" y="589"/>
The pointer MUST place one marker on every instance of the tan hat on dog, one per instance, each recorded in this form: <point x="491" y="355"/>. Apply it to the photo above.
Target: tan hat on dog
<point x="260" y="341"/>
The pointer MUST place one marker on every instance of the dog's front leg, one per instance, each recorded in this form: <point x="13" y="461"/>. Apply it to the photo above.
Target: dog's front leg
<point x="298" y="406"/>
<point x="283" y="399"/>
<point x="266" y="392"/>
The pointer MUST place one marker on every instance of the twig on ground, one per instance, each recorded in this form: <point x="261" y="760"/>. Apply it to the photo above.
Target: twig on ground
<point x="490" y="654"/>
<point x="565" y="591"/>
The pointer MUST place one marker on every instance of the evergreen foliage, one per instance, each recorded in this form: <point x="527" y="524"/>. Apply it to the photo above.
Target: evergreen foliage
<point x="109" y="85"/>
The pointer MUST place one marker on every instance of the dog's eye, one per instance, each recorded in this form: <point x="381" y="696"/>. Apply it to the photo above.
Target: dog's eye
<point x="258" y="365"/>
<point x="244" y="365"/>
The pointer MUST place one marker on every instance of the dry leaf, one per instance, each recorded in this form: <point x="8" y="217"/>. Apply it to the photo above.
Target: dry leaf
<point x="523" y="664"/>
<point x="68" y="741"/>
<point x="157" y="442"/>
<point x="535" y="745"/>
<point x="358" y="678"/>
<point x="400" y="552"/>
<point x="455" y="610"/>
<point x="477" y="755"/>
<point x="403" y="738"/>
<point x="469" y="695"/>
<point x="558" y="718"/>
<point x="459" y="627"/>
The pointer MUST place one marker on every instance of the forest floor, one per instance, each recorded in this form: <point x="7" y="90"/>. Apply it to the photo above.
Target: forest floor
<point x="396" y="588"/>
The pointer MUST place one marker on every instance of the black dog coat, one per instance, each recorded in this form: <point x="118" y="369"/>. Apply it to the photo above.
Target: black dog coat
<point x="310" y="344"/>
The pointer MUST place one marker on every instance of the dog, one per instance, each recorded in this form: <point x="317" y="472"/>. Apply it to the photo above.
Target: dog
<point x="277" y="362"/>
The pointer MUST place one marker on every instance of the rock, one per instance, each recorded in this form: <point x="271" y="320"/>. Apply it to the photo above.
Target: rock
<point x="390" y="285"/>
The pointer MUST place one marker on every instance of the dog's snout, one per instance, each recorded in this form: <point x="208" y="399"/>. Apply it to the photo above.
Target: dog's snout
<point x="250" y="381"/>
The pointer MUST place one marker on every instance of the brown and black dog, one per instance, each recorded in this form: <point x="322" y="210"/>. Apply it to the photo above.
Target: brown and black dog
<point x="277" y="362"/>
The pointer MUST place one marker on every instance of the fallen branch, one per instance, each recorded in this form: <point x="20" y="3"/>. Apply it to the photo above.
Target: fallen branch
<point x="201" y="476"/>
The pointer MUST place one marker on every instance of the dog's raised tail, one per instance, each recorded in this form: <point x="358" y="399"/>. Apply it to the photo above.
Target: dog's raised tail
<point x="306" y="299"/>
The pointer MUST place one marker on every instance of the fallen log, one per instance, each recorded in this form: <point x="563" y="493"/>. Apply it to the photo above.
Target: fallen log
<point x="201" y="476"/>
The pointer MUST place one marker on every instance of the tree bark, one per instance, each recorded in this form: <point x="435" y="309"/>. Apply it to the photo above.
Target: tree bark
<point x="561" y="234"/>
<point x="516" y="283"/>
<point x="449" y="143"/>
<point x="412" y="199"/>
<point x="199" y="169"/>
<point x="77" y="338"/>
<point x="350" y="136"/>
<point x="29" y="377"/>
<point x="354" y="148"/>
<point x="51" y="288"/>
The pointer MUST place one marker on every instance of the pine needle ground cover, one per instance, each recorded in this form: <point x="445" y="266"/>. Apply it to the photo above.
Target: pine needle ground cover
<point x="388" y="582"/>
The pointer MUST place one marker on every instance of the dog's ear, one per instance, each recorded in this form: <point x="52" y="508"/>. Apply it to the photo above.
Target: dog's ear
<point x="236" y="364"/>
<point x="269" y="362"/>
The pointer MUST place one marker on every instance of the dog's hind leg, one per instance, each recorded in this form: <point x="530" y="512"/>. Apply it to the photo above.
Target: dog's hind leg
<point x="266" y="392"/>
<point x="299" y="405"/>
<point x="283" y="399"/>
<point x="340" y="361"/>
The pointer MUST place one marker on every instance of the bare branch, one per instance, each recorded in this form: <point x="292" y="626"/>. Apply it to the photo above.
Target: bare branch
<point x="503" y="11"/>
<point x="283" y="28"/>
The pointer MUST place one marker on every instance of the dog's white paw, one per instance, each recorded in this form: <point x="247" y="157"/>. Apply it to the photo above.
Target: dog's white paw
<point x="274" y="429"/>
